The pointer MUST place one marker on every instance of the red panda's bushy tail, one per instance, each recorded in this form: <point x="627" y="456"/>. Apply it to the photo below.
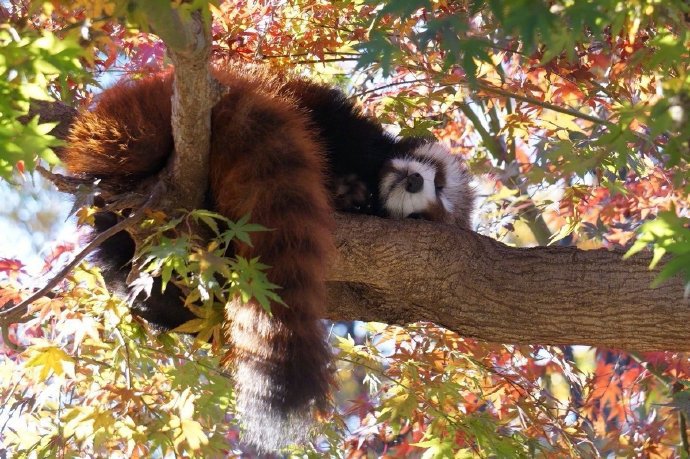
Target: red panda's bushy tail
<point x="274" y="170"/>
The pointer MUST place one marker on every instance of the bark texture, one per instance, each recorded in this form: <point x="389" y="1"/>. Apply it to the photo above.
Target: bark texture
<point x="52" y="111"/>
<point x="188" y="41"/>
<point x="194" y="94"/>
<point x="408" y="271"/>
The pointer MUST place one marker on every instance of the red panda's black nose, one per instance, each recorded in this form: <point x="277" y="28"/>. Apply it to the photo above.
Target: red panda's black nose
<point x="415" y="183"/>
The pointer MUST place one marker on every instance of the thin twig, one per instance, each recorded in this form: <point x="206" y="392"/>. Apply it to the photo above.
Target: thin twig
<point x="128" y="376"/>
<point x="17" y="311"/>
<point x="390" y="85"/>
<point x="6" y="341"/>
<point x="325" y="53"/>
<point x="123" y="195"/>
<point x="683" y="427"/>
<point x="326" y="60"/>
<point x="671" y="384"/>
<point x="64" y="183"/>
<point x="547" y="105"/>
<point x="489" y="140"/>
<point x="504" y="93"/>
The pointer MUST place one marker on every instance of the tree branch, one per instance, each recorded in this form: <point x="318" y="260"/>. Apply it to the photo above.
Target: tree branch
<point x="409" y="271"/>
<point x="13" y="314"/>
<point x="194" y="95"/>
<point x="540" y="103"/>
<point x="52" y="111"/>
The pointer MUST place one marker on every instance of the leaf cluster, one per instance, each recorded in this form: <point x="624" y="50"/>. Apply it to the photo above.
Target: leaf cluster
<point x="93" y="380"/>
<point x="204" y="268"/>
<point x="436" y="393"/>
<point x="34" y="65"/>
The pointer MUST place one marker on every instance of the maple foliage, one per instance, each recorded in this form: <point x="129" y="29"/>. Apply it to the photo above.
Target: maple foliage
<point x="573" y="115"/>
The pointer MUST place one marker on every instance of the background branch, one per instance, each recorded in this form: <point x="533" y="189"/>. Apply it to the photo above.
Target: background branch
<point x="15" y="313"/>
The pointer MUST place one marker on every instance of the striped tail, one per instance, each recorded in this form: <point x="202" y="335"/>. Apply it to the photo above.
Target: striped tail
<point x="265" y="162"/>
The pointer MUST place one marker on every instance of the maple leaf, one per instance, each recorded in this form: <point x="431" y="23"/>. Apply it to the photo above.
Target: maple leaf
<point x="50" y="360"/>
<point x="192" y="433"/>
<point x="46" y="307"/>
<point x="10" y="294"/>
<point x="86" y="215"/>
<point x="55" y="253"/>
<point x="11" y="267"/>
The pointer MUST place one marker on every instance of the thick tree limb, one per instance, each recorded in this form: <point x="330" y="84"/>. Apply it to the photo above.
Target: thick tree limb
<point x="403" y="272"/>
<point x="194" y="95"/>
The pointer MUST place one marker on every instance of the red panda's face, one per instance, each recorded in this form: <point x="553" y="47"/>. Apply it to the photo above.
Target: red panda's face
<point x="427" y="183"/>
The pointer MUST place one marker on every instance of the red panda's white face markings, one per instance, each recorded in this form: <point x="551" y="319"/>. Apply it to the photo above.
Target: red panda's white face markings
<point x="407" y="186"/>
<point x="428" y="183"/>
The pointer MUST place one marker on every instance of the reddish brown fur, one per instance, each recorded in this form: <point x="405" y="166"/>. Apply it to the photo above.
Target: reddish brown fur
<point x="264" y="161"/>
<point x="274" y="170"/>
<point x="127" y="136"/>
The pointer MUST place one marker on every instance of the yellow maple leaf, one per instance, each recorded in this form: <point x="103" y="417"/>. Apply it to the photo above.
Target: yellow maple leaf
<point x="51" y="360"/>
<point x="193" y="433"/>
<point x="85" y="215"/>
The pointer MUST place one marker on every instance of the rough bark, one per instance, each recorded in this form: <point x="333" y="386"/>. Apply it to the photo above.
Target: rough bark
<point x="188" y="41"/>
<point x="52" y="111"/>
<point x="409" y="271"/>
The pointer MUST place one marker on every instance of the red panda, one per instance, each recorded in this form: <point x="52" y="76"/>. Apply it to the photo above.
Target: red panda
<point x="287" y="151"/>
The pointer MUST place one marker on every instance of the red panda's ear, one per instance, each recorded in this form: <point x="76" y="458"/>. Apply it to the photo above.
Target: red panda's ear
<point x="127" y="134"/>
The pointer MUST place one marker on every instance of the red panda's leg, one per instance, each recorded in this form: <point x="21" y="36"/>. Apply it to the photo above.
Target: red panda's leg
<point x="264" y="162"/>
